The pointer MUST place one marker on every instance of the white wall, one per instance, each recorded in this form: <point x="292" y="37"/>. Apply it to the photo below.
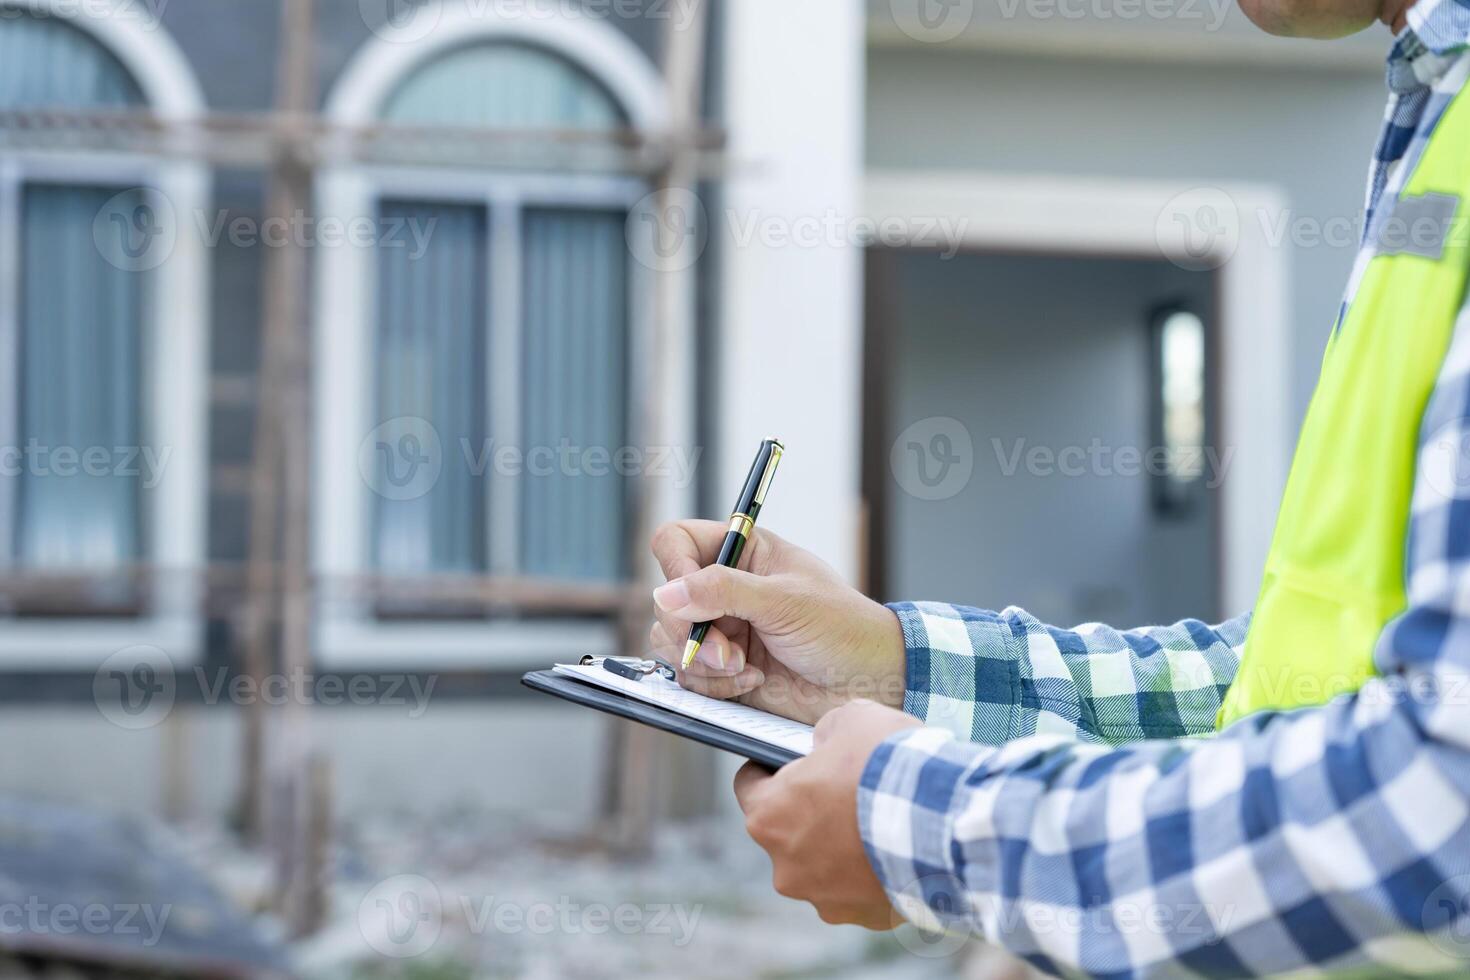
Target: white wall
<point x="790" y="323"/>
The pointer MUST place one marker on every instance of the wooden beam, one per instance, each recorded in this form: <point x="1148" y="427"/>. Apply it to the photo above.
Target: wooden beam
<point x="638" y="788"/>
<point x="290" y="753"/>
<point x="254" y="140"/>
<point x="230" y="584"/>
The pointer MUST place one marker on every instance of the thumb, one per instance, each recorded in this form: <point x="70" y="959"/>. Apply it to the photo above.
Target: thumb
<point x="835" y="720"/>
<point x="717" y="591"/>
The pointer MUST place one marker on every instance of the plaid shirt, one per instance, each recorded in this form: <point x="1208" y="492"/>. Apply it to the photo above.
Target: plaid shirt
<point x="1097" y="840"/>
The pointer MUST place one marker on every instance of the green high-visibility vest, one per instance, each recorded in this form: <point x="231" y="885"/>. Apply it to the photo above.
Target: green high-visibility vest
<point x="1335" y="573"/>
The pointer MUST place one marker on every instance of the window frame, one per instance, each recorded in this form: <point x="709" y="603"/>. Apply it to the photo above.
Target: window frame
<point x="175" y="345"/>
<point x="350" y="635"/>
<point x="351" y="631"/>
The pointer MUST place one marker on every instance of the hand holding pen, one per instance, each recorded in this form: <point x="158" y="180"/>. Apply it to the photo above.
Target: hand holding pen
<point x="790" y="636"/>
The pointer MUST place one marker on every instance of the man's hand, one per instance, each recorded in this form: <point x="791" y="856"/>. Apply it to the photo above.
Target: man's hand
<point x="805" y="816"/>
<point x="789" y="636"/>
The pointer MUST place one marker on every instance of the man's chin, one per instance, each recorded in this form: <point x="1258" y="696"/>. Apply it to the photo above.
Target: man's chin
<point x="1293" y="18"/>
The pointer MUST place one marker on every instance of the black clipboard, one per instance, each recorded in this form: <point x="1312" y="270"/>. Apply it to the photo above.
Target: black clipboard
<point x="656" y="716"/>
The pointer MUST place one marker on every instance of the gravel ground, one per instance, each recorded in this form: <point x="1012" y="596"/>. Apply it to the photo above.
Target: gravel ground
<point x="469" y="895"/>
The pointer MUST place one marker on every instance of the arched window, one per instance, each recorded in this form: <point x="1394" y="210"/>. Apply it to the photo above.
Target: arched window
<point x="488" y="332"/>
<point x="523" y="337"/>
<point x="101" y="461"/>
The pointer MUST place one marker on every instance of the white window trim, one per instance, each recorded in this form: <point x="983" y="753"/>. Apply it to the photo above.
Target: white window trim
<point x="1131" y="217"/>
<point x="176" y="407"/>
<point x="349" y="636"/>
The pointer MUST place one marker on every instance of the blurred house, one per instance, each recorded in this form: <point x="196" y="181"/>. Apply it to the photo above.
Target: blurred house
<point x="934" y="239"/>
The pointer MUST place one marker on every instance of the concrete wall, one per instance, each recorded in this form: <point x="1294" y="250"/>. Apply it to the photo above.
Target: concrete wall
<point x="528" y="760"/>
<point x="1180" y="31"/>
<point x="1307" y="131"/>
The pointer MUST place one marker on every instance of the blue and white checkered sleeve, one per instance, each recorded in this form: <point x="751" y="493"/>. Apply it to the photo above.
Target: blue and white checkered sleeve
<point x="993" y="677"/>
<point x="1330" y="838"/>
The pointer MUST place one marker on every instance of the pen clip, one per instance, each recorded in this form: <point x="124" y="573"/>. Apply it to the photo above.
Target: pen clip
<point x="774" y="460"/>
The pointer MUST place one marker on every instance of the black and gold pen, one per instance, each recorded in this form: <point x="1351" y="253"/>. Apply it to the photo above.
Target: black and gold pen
<point x="742" y="523"/>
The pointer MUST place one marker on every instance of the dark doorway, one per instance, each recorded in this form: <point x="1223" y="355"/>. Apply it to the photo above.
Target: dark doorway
<point x="1084" y="387"/>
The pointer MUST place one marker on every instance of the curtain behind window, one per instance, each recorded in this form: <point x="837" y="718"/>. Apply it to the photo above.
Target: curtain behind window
<point x="80" y="362"/>
<point x="430" y="365"/>
<point x="574" y="392"/>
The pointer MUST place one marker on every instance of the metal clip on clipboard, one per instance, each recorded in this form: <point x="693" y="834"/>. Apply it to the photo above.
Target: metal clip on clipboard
<point x="633" y="668"/>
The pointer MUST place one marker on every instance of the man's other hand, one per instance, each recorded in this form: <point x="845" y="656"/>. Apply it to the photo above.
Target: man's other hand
<point x="805" y="816"/>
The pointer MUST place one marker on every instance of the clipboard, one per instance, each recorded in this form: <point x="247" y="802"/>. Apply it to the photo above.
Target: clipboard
<point x="655" y="716"/>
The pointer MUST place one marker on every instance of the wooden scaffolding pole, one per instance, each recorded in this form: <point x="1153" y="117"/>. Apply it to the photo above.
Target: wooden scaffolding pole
<point x="284" y="779"/>
<point x="639" y="786"/>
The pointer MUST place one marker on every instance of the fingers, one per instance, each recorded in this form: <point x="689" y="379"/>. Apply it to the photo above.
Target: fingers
<point x="718" y="654"/>
<point x="684" y="550"/>
<point x="751" y="780"/>
<point x="717" y="664"/>
<point x="716" y="591"/>
<point x="723" y="688"/>
<point x="713" y="682"/>
<point x="701" y="678"/>
<point x="682" y="547"/>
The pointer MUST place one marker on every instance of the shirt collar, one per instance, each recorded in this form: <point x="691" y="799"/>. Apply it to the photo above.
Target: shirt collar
<point x="1437" y="31"/>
